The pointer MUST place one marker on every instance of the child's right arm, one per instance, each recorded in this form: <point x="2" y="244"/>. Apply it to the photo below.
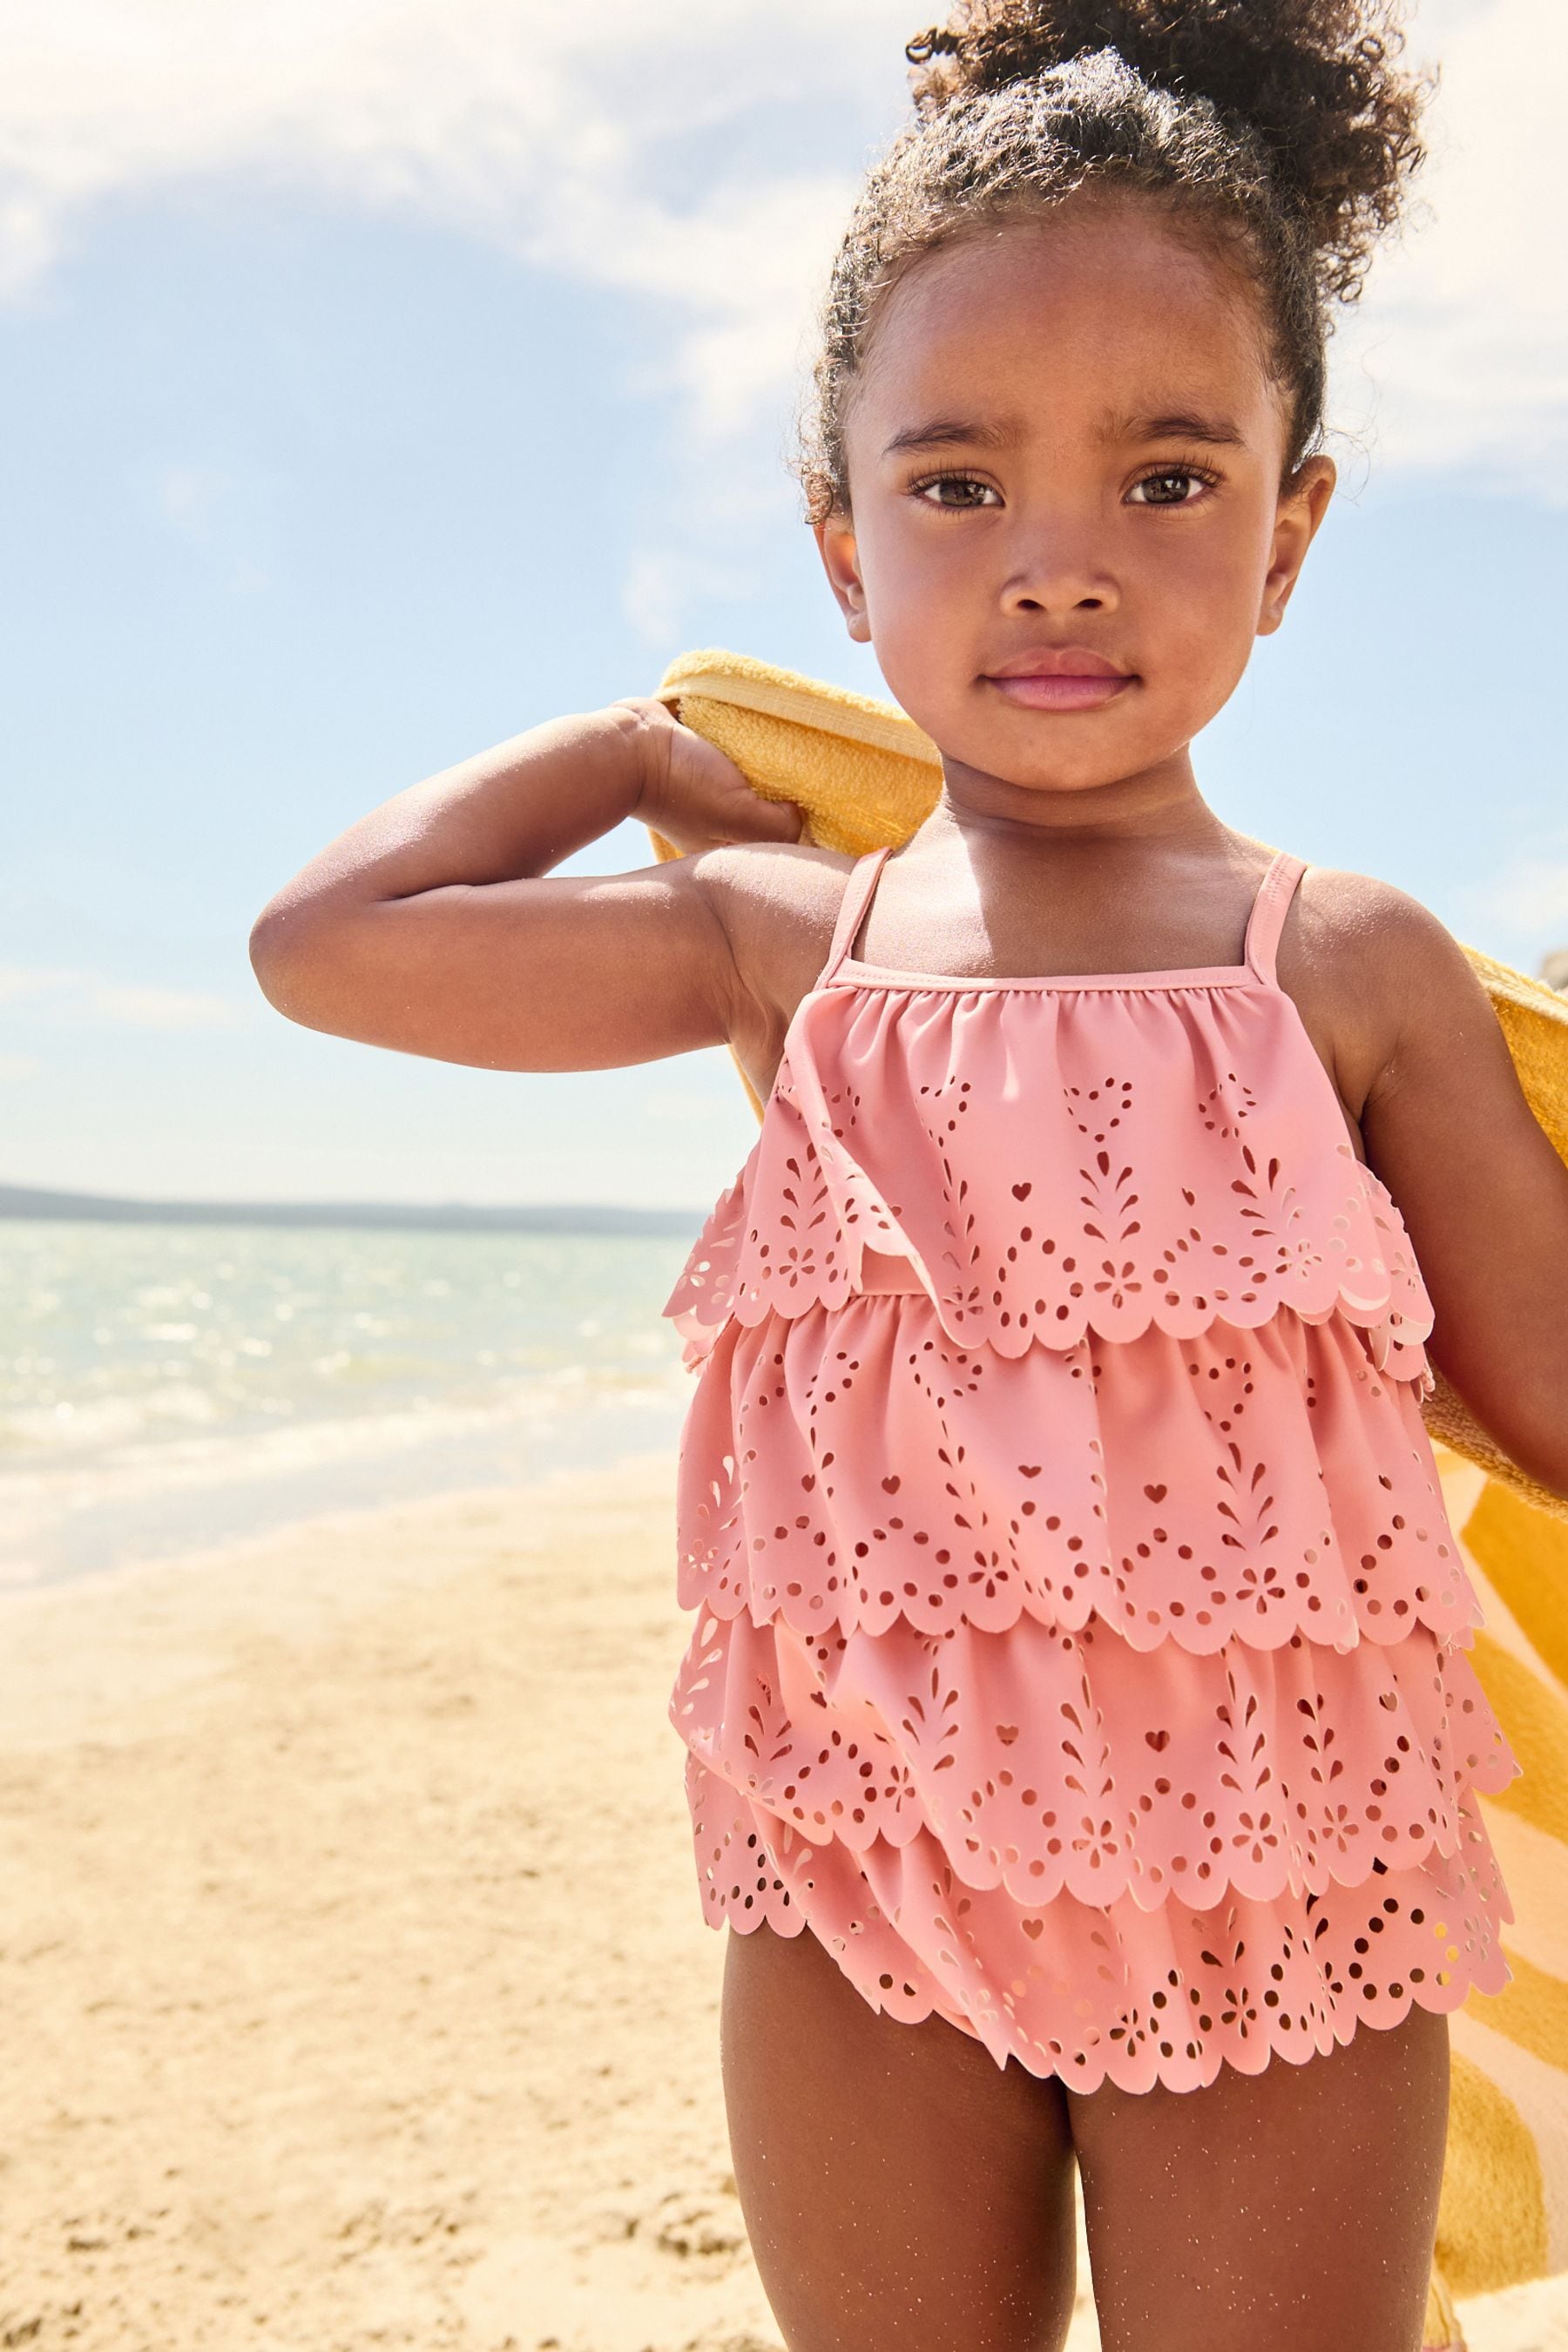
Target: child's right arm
<point x="430" y="927"/>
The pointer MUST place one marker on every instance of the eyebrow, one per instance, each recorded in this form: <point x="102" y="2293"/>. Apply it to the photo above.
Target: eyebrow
<point x="951" y="432"/>
<point x="1176" y="424"/>
<point x="961" y="432"/>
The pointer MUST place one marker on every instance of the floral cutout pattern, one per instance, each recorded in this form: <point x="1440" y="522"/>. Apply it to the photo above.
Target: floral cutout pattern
<point x="856" y="1468"/>
<point x="1045" y="1760"/>
<point x="1037" y="1195"/>
<point x="1098" y="1993"/>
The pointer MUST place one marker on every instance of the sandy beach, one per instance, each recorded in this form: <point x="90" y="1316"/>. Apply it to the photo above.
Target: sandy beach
<point x="355" y="1984"/>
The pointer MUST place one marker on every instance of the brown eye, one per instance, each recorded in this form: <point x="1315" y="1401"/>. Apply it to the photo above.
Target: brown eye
<point x="960" y="482"/>
<point x="1176" y="486"/>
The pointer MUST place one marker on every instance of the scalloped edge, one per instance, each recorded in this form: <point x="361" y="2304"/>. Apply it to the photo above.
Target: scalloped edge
<point x="1441" y="2000"/>
<point x="1453" y="1631"/>
<point x="1496" y="1773"/>
<point x="784" y="1916"/>
<point x="750" y="1305"/>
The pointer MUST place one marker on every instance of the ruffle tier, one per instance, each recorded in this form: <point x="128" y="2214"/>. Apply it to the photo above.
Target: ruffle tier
<point x="1116" y="1994"/>
<point x="1131" y="1778"/>
<point x="1056" y="1162"/>
<point x="1080" y="1639"/>
<point x="857" y="1468"/>
<point x="1048" y="1761"/>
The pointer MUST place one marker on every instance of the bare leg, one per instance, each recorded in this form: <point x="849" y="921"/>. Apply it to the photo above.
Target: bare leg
<point x="1289" y="2211"/>
<point x="902" y="2192"/>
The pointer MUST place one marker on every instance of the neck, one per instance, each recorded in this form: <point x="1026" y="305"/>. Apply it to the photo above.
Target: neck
<point x="1159" y="804"/>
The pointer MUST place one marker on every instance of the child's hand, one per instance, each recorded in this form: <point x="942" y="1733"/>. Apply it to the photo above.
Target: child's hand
<point x="694" y="795"/>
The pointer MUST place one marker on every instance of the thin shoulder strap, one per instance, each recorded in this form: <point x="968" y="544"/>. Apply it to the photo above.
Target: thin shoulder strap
<point x="852" y="907"/>
<point x="1269" y="910"/>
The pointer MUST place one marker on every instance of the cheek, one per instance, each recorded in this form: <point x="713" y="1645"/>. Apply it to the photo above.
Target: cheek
<point x="1203" y="590"/>
<point x="921" y="584"/>
<point x="915" y="557"/>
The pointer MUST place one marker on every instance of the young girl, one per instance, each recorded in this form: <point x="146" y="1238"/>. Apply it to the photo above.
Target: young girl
<point x="1080" y="1730"/>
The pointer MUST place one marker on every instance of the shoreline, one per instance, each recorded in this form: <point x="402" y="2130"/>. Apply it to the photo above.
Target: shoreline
<point x="68" y="1522"/>
<point x="354" y="1955"/>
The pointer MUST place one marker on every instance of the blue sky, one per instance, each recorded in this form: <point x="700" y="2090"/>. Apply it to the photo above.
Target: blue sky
<point x="377" y="383"/>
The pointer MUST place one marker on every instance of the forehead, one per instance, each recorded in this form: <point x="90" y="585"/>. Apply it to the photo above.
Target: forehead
<point x="1090" y="311"/>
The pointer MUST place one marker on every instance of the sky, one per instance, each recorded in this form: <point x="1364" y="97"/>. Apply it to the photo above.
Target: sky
<point x="379" y="378"/>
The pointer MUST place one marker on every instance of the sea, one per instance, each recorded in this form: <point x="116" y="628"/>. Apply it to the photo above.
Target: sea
<point x="165" y="1388"/>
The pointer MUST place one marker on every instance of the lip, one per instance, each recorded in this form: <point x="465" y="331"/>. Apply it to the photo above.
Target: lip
<point x="1059" y="661"/>
<point x="1070" y="677"/>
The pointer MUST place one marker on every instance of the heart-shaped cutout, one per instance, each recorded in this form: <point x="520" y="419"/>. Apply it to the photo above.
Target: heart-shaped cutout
<point x="1022" y="1191"/>
<point x="1155" y="1494"/>
<point x="1029" y="1469"/>
<point x="1007" y="1733"/>
<point x="891" y="1485"/>
<point x="1158" y="1741"/>
<point x="1034" y="1929"/>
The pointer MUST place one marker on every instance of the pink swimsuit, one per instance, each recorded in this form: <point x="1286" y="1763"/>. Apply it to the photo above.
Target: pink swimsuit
<point x="1080" y="1641"/>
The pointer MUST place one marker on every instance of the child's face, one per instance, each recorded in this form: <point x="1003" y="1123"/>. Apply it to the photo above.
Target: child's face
<point x="1113" y="445"/>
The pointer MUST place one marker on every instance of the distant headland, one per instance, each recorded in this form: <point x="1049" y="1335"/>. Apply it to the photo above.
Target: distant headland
<point x="441" y="1216"/>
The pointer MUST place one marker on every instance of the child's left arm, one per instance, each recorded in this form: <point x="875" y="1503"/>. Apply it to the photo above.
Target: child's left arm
<point x="1485" y="1197"/>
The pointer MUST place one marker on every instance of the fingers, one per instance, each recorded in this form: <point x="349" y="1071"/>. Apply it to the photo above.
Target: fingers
<point x="782" y="819"/>
<point x="695" y="795"/>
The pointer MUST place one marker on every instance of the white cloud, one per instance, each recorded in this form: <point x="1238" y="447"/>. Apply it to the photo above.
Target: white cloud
<point x="659" y="580"/>
<point x="543" y="131"/>
<point x="84" y="996"/>
<point x="18" y="980"/>
<point x="158" y="1008"/>
<point x="529" y="127"/>
<point x="1464" y="330"/>
<point x="1532" y="895"/>
<point x="16" y="1067"/>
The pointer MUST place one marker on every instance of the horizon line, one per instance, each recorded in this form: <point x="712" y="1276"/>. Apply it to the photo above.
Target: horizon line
<point x="41" y="1203"/>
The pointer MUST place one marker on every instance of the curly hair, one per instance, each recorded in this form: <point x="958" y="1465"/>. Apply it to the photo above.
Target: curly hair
<point x="1283" y="130"/>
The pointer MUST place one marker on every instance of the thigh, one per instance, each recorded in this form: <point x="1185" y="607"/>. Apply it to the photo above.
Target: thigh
<point x="1289" y="2211"/>
<point x="899" y="2189"/>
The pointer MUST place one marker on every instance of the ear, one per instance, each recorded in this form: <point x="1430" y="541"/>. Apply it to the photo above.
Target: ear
<point x="840" y="561"/>
<point x="1303" y="502"/>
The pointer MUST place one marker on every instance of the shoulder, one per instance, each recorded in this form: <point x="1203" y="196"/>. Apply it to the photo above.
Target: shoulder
<point x="774" y="896"/>
<point x="778" y="902"/>
<point x="1369" y="936"/>
<point x="1382" y="974"/>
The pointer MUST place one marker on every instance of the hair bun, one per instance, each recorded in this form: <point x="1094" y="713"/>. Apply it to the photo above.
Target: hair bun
<point x="1314" y="81"/>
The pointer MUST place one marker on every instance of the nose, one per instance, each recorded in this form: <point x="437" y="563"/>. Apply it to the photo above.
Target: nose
<point x="1062" y="573"/>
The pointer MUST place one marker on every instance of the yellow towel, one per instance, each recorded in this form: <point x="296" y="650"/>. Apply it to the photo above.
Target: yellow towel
<point x="863" y="773"/>
<point x="1504" y="2213"/>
